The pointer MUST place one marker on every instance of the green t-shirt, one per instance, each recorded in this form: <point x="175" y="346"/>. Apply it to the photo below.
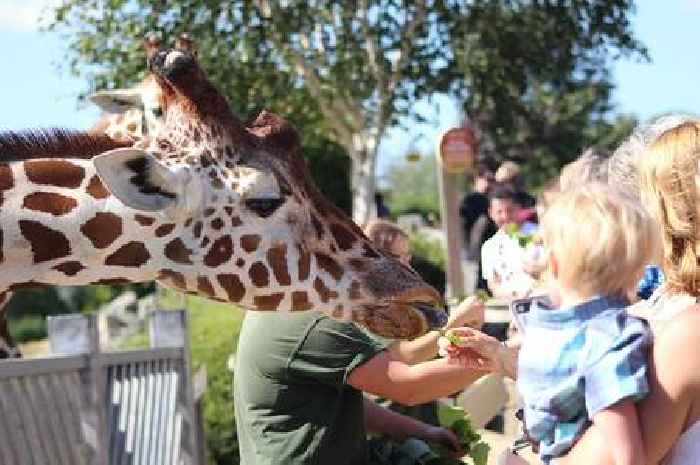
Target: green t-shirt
<point x="293" y="405"/>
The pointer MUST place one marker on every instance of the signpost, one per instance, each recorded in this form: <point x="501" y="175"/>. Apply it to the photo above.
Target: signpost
<point x="456" y="151"/>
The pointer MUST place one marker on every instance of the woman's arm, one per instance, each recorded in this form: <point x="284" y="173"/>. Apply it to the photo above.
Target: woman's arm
<point x="620" y="425"/>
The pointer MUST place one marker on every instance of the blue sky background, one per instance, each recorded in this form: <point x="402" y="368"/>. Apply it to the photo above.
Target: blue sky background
<point x="35" y="94"/>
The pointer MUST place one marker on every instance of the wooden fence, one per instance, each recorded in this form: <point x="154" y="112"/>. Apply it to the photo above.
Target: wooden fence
<point x="86" y="407"/>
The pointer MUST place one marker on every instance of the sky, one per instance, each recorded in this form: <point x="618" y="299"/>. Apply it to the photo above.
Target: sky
<point x="35" y="93"/>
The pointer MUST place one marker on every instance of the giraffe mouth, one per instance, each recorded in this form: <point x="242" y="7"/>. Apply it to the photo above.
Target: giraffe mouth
<point x="435" y="317"/>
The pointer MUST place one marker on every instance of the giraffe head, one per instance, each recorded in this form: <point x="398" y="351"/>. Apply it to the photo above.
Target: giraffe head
<point x="252" y="228"/>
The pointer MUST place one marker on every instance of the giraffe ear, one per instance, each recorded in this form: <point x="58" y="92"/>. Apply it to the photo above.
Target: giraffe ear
<point x="141" y="181"/>
<point x="117" y="100"/>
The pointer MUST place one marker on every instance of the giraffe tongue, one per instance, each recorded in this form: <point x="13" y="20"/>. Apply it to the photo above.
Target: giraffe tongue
<point x="435" y="317"/>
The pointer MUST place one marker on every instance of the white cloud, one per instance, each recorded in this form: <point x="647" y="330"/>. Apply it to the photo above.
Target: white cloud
<point x="23" y="15"/>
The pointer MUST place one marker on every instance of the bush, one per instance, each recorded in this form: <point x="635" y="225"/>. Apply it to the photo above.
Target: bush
<point x="28" y="328"/>
<point x="428" y="260"/>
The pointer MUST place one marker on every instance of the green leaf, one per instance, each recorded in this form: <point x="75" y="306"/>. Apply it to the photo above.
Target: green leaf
<point x="479" y="453"/>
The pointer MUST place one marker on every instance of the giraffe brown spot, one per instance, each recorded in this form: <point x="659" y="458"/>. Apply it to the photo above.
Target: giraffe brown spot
<point x="236" y="221"/>
<point x="329" y="265"/>
<point x="228" y="210"/>
<point x="6" y="180"/>
<point x="102" y="229"/>
<point x="338" y="311"/>
<point x="49" y="202"/>
<point x="113" y="281"/>
<point x="277" y="259"/>
<point x="217" y="224"/>
<point x="259" y="275"/>
<point x="232" y="285"/>
<point x="220" y="252"/>
<point x="204" y="243"/>
<point x="69" y="268"/>
<point x="268" y="302"/>
<point x="239" y="263"/>
<point x="304" y="263"/>
<point x="164" y="229"/>
<point x="369" y="251"/>
<point x="46" y="243"/>
<point x="317" y="226"/>
<point x="176" y="251"/>
<point x="59" y="173"/>
<point x="359" y="264"/>
<point x="188" y="222"/>
<point x="300" y="301"/>
<point x="25" y="285"/>
<point x="217" y="183"/>
<point x="96" y="189"/>
<point x="355" y="292"/>
<point x="204" y="286"/>
<point x="144" y="220"/>
<point x="250" y="242"/>
<point x="197" y="230"/>
<point x="323" y="292"/>
<point x="343" y="237"/>
<point x="133" y="254"/>
<point x="209" y="211"/>
<point x="173" y="277"/>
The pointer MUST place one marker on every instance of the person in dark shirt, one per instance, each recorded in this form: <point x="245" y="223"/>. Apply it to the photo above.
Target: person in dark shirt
<point x="474" y="212"/>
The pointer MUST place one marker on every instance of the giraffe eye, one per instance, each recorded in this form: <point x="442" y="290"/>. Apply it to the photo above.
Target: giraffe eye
<point x="158" y="112"/>
<point x="264" y="207"/>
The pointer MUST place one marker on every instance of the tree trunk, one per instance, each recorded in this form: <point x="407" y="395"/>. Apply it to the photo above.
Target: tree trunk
<point x="363" y="188"/>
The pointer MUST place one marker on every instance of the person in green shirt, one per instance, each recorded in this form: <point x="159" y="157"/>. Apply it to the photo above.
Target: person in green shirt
<point x="298" y="383"/>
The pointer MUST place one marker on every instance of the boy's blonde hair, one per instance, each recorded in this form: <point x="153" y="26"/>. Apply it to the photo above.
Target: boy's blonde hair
<point x="667" y="172"/>
<point x="601" y="239"/>
<point x="384" y="233"/>
<point x="590" y="166"/>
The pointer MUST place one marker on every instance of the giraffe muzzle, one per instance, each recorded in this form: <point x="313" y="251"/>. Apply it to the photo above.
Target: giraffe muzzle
<point x="435" y="317"/>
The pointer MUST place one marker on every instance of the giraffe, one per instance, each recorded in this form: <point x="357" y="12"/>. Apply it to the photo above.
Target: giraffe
<point x="208" y="205"/>
<point x="130" y="114"/>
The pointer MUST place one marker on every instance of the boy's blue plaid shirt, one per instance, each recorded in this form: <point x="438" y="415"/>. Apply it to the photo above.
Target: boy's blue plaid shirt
<point x="575" y="362"/>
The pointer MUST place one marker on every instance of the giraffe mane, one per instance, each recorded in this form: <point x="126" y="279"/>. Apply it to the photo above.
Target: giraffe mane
<point x="54" y="143"/>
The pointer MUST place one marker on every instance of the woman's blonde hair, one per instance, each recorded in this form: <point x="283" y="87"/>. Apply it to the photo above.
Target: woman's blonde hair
<point x="601" y="239"/>
<point x="590" y="166"/>
<point x="668" y="172"/>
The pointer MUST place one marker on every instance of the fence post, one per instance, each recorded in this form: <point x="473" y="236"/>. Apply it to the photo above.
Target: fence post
<point x="169" y="328"/>
<point x="78" y="334"/>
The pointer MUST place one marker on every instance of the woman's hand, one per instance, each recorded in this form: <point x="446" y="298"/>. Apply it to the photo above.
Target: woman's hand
<point x="469" y="312"/>
<point x="445" y="437"/>
<point x="476" y="350"/>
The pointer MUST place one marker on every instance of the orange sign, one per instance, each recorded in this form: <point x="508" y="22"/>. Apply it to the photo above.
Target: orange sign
<point x="457" y="149"/>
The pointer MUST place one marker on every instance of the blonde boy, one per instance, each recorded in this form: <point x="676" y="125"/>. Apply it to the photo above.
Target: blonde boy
<point x="584" y="359"/>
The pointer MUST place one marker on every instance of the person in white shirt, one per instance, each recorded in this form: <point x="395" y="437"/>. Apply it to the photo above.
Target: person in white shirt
<point x="502" y="255"/>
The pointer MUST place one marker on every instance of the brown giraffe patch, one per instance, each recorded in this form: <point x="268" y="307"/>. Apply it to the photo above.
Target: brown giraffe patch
<point x="133" y="254"/>
<point x="304" y="263"/>
<point x="232" y="285"/>
<point x="197" y="230"/>
<point x="69" y="268"/>
<point x="300" y="301"/>
<point x="96" y="189"/>
<point x="236" y="221"/>
<point x="317" y="226"/>
<point x="59" y="173"/>
<point x="329" y="265"/>
<point x="102" y="229"/>
<point x="164" y="229"/>
<point x="205" y="242"/>
<point x="250" y="242"/>
<point x="6" y="180"/>
<point x="177" y="251"/>
<point x="277" y="259"/>
<point x="355" y="291"/>
<point x="259" y="275"/>
<point x="113" y="281"/>
<point x="217" y="224"/>
<point x="239" y="263"/>
<point x="324" y="293"/>
<point x="47" y="244"/>
<point x="173" y="277"/>
<point x="358" y="264"/>
<point x="228" y="209"/>
<point x="204" y="286"/>
<point x="220" y="252"/>
<point x="344" y="238"/>
<point x="144" y="220"/>
<point x="268" y="302"/>
<point x="209" y="211"/>
<point x="338" y="311"/>
<point x="49" y="202"/>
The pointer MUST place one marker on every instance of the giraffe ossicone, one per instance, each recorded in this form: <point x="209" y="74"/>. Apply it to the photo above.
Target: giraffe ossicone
<point x="206" y="205"/>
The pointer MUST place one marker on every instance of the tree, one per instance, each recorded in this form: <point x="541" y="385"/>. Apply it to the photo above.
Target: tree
<point x="536" y="77"/>
<point x="413" y="187"/>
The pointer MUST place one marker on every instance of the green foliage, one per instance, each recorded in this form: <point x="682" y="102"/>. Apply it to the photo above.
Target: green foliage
<point x="536" y="79"/>
<point x="430" y="249"/>
<point x="414" y="188"/>
<point x="330" y="168"/>
<point x="28" y="328"/>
